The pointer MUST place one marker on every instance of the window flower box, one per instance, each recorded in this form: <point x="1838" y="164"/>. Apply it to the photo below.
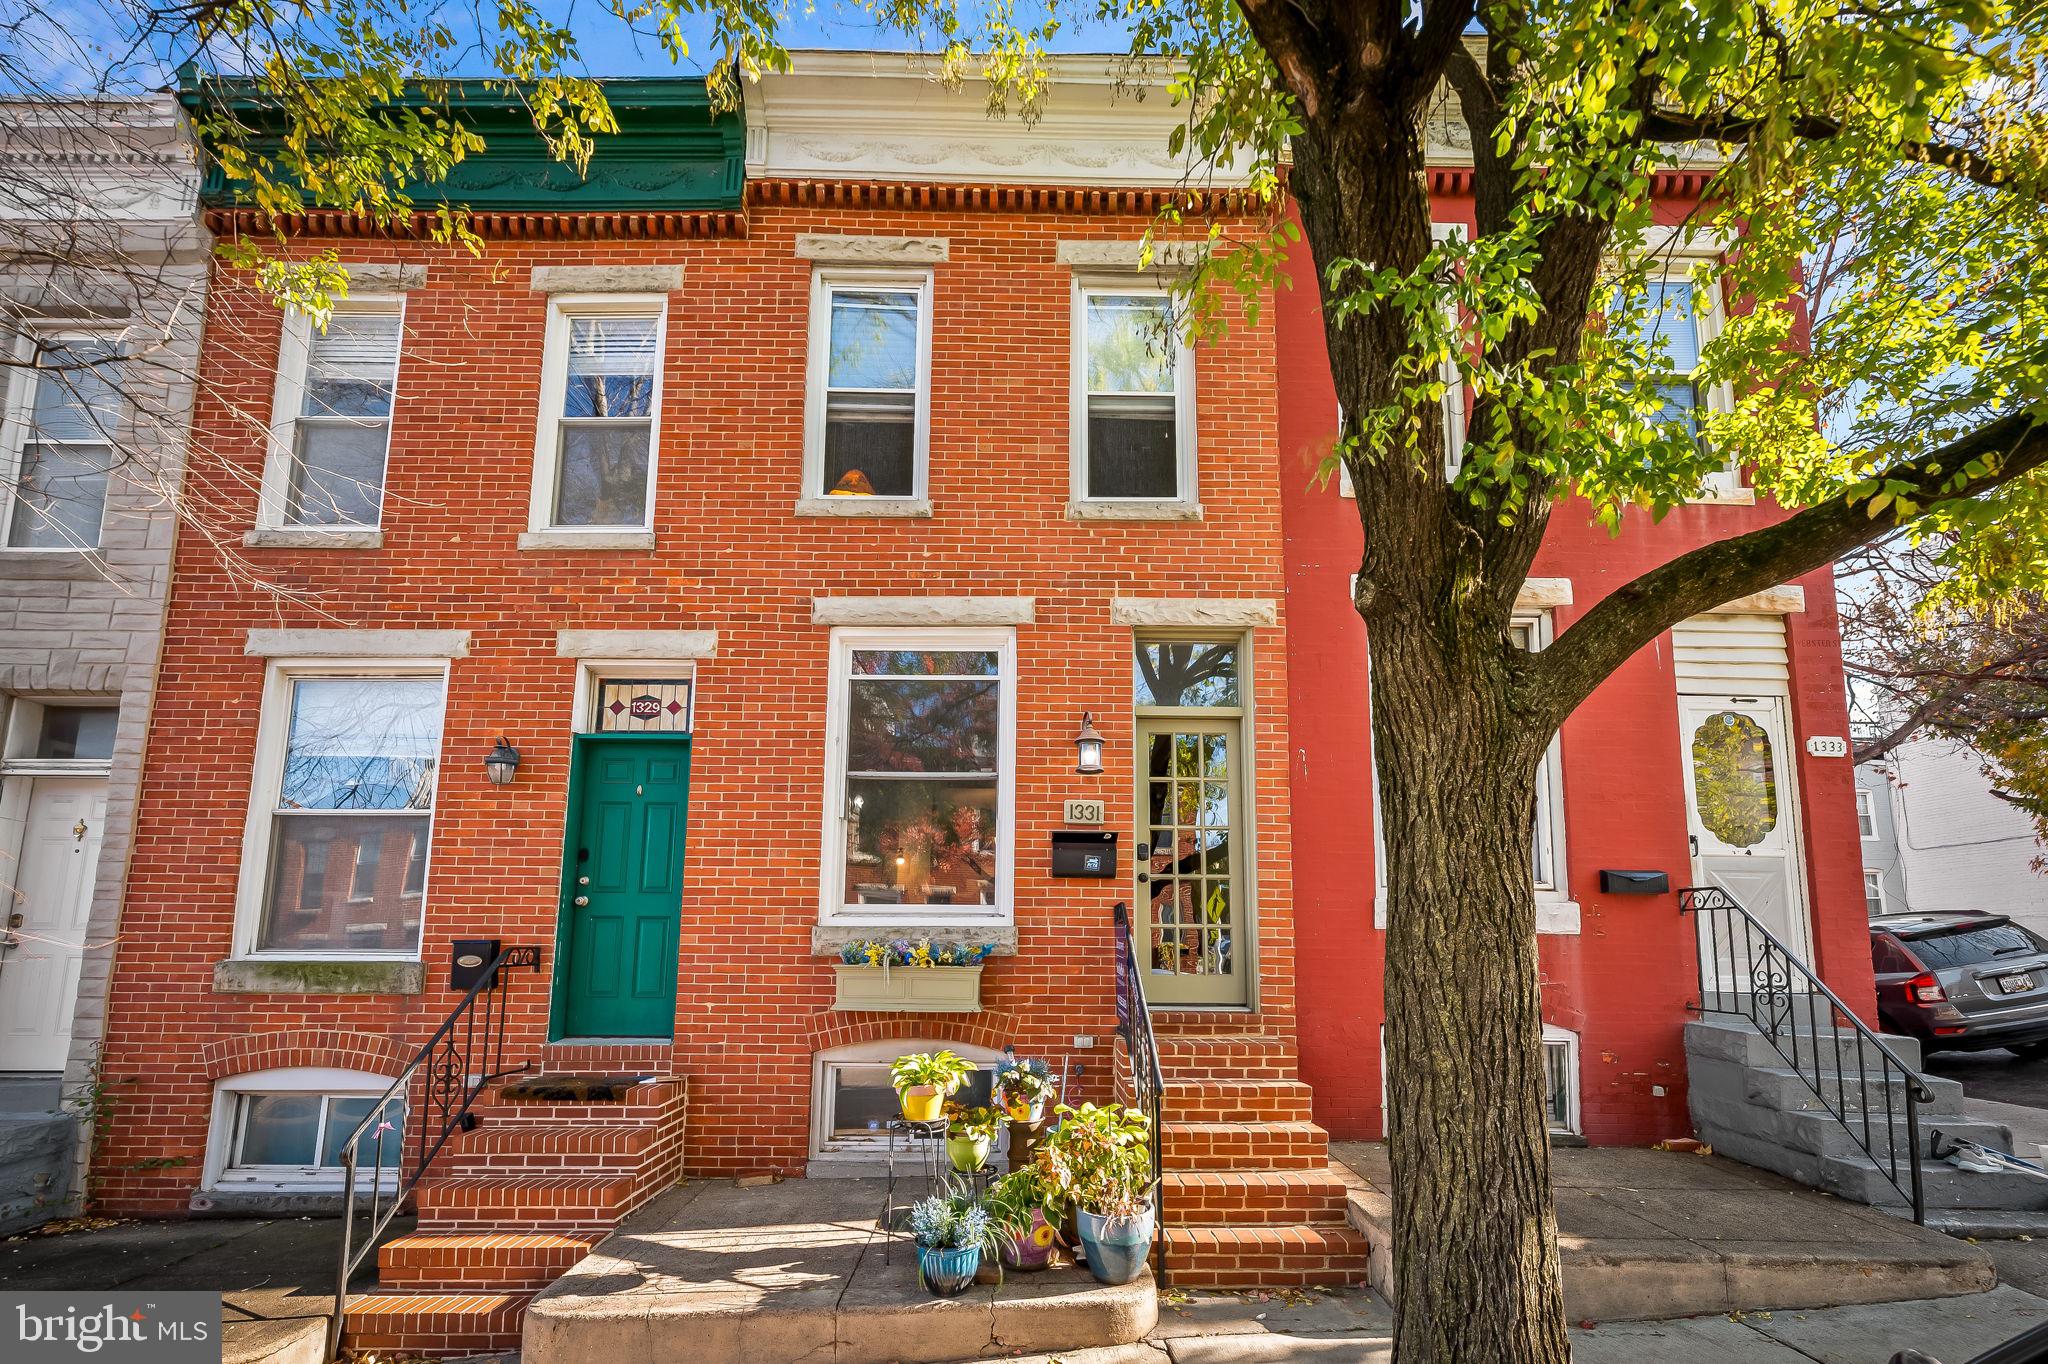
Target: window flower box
<point x="917" y="977"/>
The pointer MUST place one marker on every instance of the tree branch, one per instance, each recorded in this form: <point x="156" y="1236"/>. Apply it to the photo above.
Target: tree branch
<point x="1298" y="51"/>
<point x="1563" y="675"/>
<point x="1904" y="730"/>
<point x="1441" y="37"/>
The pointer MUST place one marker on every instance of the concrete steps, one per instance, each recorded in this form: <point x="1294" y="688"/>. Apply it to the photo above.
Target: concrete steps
<point x="510" y="1207"/>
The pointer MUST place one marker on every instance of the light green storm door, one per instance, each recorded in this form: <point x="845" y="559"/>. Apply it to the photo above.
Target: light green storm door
<point x="622" y="886"/>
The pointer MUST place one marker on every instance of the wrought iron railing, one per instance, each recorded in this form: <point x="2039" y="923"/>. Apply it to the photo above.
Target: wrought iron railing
<point x="1141" y="1079"/>
<point x="1747" y="971"/>
<point x="466" y="1053"/>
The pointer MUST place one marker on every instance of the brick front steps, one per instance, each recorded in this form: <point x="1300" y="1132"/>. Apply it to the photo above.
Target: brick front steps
<point x="1250" y="1197"/>
<point x="510" y="1207"/>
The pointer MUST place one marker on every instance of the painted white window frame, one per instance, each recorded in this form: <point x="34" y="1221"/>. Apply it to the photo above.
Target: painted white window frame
<point x="24" y="732"/>
<point x="1001" y="640"/>
<point x="1682" y="255"/>
<point x="1866" y="814"/>
<point x="17" y="423"/>
<point x="1554" y="1036"/>
<point x="273" y="728"/>
<point x="825" y="1086"/>
<point x="827" y="280"/>
<point x="563" y="309"/>
<point x="1187" y="493"/>
<point x="1873" y="893"/>
<point x="1453" y="402"/>
<point x="223" y="1130"/>
<point x="294" y="355"/>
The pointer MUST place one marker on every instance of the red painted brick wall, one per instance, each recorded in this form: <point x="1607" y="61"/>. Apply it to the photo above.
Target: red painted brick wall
<point x="754" y="1002"/>
<point x="1622" y="983"/>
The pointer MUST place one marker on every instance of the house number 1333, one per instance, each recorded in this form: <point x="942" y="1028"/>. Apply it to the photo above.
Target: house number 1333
<point x="1084" y="812"/>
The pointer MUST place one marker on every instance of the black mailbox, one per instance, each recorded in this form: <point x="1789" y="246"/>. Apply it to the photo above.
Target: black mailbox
<point x="468" y="959"/>
<point x="1634" y="882"/>
<point x="1079" y="852"/>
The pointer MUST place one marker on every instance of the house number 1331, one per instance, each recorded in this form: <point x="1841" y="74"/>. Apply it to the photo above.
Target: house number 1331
<point x="1084" y="812"/>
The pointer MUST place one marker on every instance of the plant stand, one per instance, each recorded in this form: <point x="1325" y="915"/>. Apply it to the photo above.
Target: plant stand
<point x="925" y="1144"/>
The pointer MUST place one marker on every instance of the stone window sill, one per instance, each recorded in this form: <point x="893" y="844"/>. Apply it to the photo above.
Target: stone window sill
<point x="1082" y="510"/>
<point x="325" y="976"/>
<point x="587" y="539"/>
<point x="864" y="507"/>
<point x="309" y="537"/>
<point x="1557" y="916"/>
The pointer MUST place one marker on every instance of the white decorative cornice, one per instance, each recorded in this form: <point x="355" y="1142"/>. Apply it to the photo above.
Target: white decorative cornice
<point x="663" y="646"/>
<point x="1130" y="255"/>
<point x="357" y="644"/>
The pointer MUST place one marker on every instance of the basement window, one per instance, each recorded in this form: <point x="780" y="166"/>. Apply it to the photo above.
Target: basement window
<point x="1561" y="1079"/>
<point x="853" y="1100"/>
<point x="286" y="1129"/>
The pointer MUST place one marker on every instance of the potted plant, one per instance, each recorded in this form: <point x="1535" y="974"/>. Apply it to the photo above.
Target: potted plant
<point x="1026" y="1208"/>
<point x="1101" y="1159"/>
<point x="919" y="975"/>
<point x="970" y="1133"/>
<point x="1023" y="1089"/>
<point x="952" y="1231"/>
<point x="924" y="1080"/>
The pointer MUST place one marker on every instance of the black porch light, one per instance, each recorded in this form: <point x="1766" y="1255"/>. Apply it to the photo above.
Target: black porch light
<point x="501" y="762"/>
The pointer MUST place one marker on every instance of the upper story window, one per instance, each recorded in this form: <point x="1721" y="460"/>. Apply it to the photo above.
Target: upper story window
<point x="1679" y="318"/>
<point x="58" y="442"/>
<point x="921" y="738"/>
<point x="1133" y="428"/>
<point x="346" y="778"/>
<point x="600" y="414"/>
<point x="331" y="419"/>
<point x="1866" y="812"/>
<point x="868" y="397"/>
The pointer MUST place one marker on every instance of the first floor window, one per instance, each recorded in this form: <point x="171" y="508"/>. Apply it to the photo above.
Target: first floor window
<point x="62" y="439"/>
<point x="1873" y="893"/>
<point x="922" y="739"/>
<point x="336" y="388"/>
<point x="1134" y="377"/>
<point x="600" y="396"/>
<point x="355" y="775"/>
<point x="1561" y="1076"/>
<point x="290" y="1127"/>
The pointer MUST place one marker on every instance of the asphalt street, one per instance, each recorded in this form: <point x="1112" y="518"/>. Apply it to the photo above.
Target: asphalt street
<point x="1997" y="1075"/>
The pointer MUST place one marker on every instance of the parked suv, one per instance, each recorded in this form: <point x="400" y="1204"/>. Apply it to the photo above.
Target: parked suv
<point x="1961" y="981"/>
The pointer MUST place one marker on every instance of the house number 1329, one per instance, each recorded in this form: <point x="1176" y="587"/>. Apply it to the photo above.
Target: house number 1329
<point x="1084" y="812"/>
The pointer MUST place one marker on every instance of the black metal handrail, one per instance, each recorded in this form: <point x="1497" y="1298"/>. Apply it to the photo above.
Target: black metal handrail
<point x="1747" y="971"/>
<point x="1142" y="1079"/>
<point x="466" y="1053"/>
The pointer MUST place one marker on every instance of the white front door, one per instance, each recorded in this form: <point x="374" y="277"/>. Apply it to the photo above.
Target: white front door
<point x="50" y="900"/>
<point x="1740" y="804"/>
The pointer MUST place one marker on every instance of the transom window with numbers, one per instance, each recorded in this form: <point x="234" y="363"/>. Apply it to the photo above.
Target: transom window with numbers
<point x="331" y="420"/>
<point x="1133" y="430"/>
<point x="60" y="439"/>
<point x="921" y="740"/>
<point x="600" y="414"/>
<point x="338" y="850"/>
<point x="869" y="394"/>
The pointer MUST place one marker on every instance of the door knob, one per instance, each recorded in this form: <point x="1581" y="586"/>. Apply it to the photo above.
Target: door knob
<point x="1143" y="877"/>
<point x="582" y="899"/>
<point x="583" y="880"/>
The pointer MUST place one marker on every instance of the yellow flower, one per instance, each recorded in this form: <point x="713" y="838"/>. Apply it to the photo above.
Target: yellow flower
<point x="1041" y="1236"/>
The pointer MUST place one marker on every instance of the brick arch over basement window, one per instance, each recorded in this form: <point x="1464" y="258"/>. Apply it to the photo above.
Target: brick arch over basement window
<point x="834" y="1028"/>
<point x="326" y="1048"/>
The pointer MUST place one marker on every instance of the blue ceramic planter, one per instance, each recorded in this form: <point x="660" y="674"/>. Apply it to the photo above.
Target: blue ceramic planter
<point x="947" y="1273"/>
<point x="1116" y="1246"/>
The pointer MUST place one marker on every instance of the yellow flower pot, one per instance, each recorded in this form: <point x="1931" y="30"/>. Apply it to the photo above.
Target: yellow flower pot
<point x="922" y="1103"/>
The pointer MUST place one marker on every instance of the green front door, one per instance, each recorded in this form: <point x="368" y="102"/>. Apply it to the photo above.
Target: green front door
<point x="622" y="892"/>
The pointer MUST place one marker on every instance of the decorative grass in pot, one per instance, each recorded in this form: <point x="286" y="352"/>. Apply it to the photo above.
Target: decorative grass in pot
<point x="952" y="1232"/>
<point x="925" y="1080"/>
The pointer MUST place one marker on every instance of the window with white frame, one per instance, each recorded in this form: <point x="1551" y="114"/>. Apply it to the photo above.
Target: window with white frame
<point x="853" y="1100"/>
<point x="921" y="736"/>
<point x="1873" y="893"/>
<point x="1679" y="318"/>
<point x="869" y="387"/>
<point x="347" y="769"/>
<point x="1561" y="1080"/>
<point x="285" y="1129"/>
<point x="1866" y="812"/>
<point x="331" y="420"/>
<point x="58" y="443"/>
<point x="600" y="414"/>
<point x="1133" y="429"/>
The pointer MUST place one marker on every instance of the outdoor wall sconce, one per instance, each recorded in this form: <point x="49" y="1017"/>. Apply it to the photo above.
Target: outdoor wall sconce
<point x="502" y="762"/>
<point x="1088" y="747"/>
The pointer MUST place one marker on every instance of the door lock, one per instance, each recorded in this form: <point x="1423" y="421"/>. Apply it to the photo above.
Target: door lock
<point x="583" y="880"/>
<point x="1143" y="877"/>
<point x="582" y="900"/>
<point x="16" y="920"/>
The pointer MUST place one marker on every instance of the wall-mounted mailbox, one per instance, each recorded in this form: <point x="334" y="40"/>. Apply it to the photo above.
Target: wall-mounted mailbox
<point x="1634" y="882"/>
<point x="1083" y="852"/>
<point x="468" y="958"/>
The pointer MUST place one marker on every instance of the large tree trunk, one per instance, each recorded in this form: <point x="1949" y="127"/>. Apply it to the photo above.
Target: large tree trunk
<point x="1475" y="1238"/>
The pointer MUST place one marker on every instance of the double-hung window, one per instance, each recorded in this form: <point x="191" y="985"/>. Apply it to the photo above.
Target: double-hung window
<point x="600" y="414"/>
<point x="866" y="410"/>
<point x="1680" y="316"/>
<point x="1866" y="813"/>
<point x="921" y="735"/>
<point x="347" y="773"/>
<point x="1133" y="429"/>
<point x="331" y="421"/>
<point x="59" y="442"/>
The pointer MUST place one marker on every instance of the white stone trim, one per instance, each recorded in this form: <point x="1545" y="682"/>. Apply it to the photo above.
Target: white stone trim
<point x="357" y="644"/>
<point x="312" y="537"/>
<point x="1239" y="613"/>
<point x="1129" y="255"/>
<point x="864" y="506"/>
<point x="667" y="646"/>
<point x="923" y="611"/>
<point x="1787" y="600"/>
<point x="1560" y="917"/>
<point x="567" y="537"/>
<point x="384" y="276"/>
<point x="1081" y="509"/>
<point x="606" y="279"/>
<point x="1541" y="594"/>
<point x="849" y="250"/>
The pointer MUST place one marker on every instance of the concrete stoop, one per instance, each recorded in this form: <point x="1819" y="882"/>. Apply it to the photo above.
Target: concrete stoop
<point x="36" y="1142"/>
<point x="1750" y="1103"/>
<point x="802" y="1270"/>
